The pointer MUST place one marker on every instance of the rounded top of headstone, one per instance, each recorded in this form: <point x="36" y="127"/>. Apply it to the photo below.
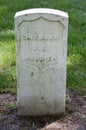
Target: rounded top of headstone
<point x="41" y="11"/>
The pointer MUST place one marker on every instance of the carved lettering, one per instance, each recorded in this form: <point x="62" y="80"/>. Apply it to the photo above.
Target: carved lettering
<point x="42" y="37"/>
<point x="39" y="58"/>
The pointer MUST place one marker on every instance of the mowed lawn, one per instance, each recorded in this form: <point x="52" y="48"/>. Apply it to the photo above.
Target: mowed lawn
<point x="76" y="56"/>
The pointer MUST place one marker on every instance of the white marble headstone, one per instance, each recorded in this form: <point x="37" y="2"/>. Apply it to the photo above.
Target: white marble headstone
<point x="41" y="49"/>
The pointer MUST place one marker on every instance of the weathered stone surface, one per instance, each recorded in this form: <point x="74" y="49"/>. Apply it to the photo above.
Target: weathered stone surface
<point x="41" y="37"/>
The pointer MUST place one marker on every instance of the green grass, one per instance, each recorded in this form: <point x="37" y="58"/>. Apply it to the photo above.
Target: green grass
<point x="7" y="59"/>
<point x="76" y="61"/>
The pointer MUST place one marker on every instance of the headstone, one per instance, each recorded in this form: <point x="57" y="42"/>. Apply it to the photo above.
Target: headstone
<point x="41" y="37"/>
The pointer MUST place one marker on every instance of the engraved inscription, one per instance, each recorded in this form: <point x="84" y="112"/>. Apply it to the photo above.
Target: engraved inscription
<point x="42" y="44"/>
<point x="40" y="58"/>
<point x="36" y="36"/>
<point x="39" y="62"/>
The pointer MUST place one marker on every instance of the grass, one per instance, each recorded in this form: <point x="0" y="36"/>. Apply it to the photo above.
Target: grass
<point x="7" y="59"/>
<point x="76" y="61"/>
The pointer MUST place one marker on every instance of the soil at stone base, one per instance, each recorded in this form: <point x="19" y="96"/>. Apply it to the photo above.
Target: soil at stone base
<point x="74" y="118"/>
